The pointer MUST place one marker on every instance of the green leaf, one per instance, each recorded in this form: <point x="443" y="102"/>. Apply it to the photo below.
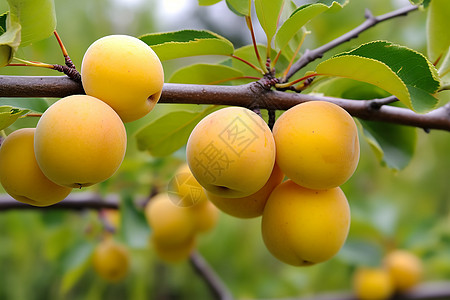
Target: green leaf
<point x="9" y="41"/>
<point x="361" y="252"/>
<point x="438" y="23"/>
<point x="75" y="263"/>
<point x="239" y="7"/>
<point x="350" y="89"/>
<point x="9" y="115"/>
<point x="170" y="132"/>
<point x="393" y="145"/>
<point x="205" y="74"/>
<point x="207" y="2"/>
<point x="268" y="12"/>
<point x="400" y="71"/>
<point x="3" y="18"/>
<point x="37" y="19"/>
<point x="134" y="229"/>
<point x="184" y="43"/>
<point x="298" y="19"/>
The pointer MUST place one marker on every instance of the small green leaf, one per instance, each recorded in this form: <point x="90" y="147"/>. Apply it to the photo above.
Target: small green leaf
<point x="37" y="19"/>
<point x="75" y="263"/>
<point x="400" y="71"/>
<point x="3" y="18"/>
<point x="9" y="115"/>
<point x="134" y="229"/>
<point x="298" y="19"/>
<point x="239" y="7"/>
<point x="184" y="43"/>
<point x="268" y="12"/>
<point x="207" y="2"/>
<point x="438" y="23"/>
<point x="205" y="74"/>
<point x="9" y="41"/>
<point x="170" y="132"/>
<point x="393" y="145"/>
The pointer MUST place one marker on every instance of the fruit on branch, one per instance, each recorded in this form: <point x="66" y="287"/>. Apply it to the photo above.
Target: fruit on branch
<point x="171" y="225"/>
<point x="317" y="144"/>
<point x="175" y="228"/>
<point x="124" y="72"/>
<point x="184" y="189"/>
<point x="303" y="227"/>
<point x="231" y="152"/>
<point x="111" y="260"/>
<point x="206" y="216"/>
<point x="372" y="284"/>
<point x="405" y="269"/>
<point x="173" y="253"/>
<point x="251" y="206"/>
<point x="20" y="174"/>
<point x="79" y="141"/>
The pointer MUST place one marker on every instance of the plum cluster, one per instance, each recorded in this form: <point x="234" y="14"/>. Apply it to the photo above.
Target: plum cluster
<point x="81" y="140"/>
<point x="241" y="165"/>
<point x="178" y="216"/>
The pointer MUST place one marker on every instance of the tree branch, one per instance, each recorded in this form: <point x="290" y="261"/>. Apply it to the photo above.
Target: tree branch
<point x="252" y="95"/>
<point x="215" y="284"/>
<point x="75" y="201"/>
<point x="311" y="55"/>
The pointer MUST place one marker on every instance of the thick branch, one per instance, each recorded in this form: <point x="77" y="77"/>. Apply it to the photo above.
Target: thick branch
<point x="75" y="201"/>
<point x="251" y="95"/>
<point x="311" y="55"/>
<point x="215" y="284"/>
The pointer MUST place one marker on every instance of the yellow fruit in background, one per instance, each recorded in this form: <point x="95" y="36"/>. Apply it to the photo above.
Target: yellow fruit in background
<point x="184" y="189"/>
<point x="205" y="216"/>
<point x="20" y="174"/>
<point x="111" y="260"/>
<point x="170" y="224"/>
<point x="124" y="72"/>
<point x="405" y="269"/>
<point x="250" y="206"/>
<point x="231" y="152"/>
<point x="79" y="141"/>
<point x="173" y="253"/>
<point x="372" y="284"/>
<point x="303" y="227"/>
<point x="317" y="144"/>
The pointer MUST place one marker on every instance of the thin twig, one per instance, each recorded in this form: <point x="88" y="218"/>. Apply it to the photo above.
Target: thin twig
<point x="311" y="55"/>
<point x="215" y="284"/>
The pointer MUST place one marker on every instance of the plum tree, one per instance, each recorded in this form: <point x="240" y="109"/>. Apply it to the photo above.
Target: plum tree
<point x="251" y="206"/>
<point x="20" y="174"/>
<point x="317" y="144"/>
<point x="79" y="141"/>
<point x="111" y="260"/>
<point x="372" y="284"/>
<point x="231" y="152"/>
<point x="405" y="269"/>
<point x="303" y="227"/>
<point x="124" y="72"/>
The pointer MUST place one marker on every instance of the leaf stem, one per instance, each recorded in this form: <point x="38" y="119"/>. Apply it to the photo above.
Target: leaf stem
<point x="248" y="63"/>
<point x="293" y="57"/>
<point x="67" y="59"/>
<point x="248" y="19"/>
<point x="291" y="83"/>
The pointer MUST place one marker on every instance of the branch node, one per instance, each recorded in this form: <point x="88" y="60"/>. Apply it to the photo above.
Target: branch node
<point x="368" y="14"/>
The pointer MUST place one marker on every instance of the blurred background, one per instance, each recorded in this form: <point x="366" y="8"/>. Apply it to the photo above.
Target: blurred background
<point x="44" y="253"/>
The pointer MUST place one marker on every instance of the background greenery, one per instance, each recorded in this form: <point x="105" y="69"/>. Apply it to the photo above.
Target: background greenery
<point x="44" y="253"/>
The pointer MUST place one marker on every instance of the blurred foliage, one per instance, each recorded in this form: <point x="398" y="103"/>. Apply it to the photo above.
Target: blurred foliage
<point x="44" y="253"/>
